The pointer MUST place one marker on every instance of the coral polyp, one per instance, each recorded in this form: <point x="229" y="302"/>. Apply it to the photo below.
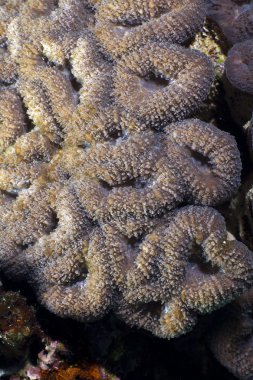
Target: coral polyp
<point x="97" y="160"/>
<point x="90" y="296"/>
<point x="153" y="84"/>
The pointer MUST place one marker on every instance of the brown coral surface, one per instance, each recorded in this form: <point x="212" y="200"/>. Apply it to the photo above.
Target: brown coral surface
<point x="235" y="18"/>
<point x="179" y="271"/>
<point x="239" y="66"/>
<point x="123" y="26"/>
<point x="92" y="175"/>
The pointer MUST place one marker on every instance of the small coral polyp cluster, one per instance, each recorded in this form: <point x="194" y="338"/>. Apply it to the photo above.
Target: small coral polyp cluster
<point x="105" y="187"/>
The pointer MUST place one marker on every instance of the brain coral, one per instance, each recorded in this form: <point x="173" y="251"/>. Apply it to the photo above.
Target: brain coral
<point x="154" y="82"/>
<point x="231" y="341"/>
<point x="123" y="26"/>
<point x="193" y="273"/>
<point x="136" y="178"/>
<point x="96" y="160"/>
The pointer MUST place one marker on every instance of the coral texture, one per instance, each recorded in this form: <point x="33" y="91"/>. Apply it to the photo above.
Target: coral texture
<point x="23" y="153"/>
<point x="123" y="26"/>
<point x="239" y="66"/>
<point x="234" y="17"/>
<point x="179" y="271"/>
<point x="136" y="178"/>
<point x="231" y="341"/>
<point x="155" y="82"/>
<point x="92" y="175"/>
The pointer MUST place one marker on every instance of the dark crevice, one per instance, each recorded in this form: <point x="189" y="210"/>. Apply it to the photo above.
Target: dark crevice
<point x="198" y="260"/>
<point x="199" y="157"/>
<point x="153" y="308"/>
<point x="53" y="223"/>
<point x="135" y="241"/>
<point x="4" y="43"/>
<point x="250" y="207"/>
<point x="13" y="194"/>
<point x="105" y="185"/>
<point x="83" y="275"/>
<point x="25" y="246"/>
<point x="9" y="82"/>
<point x="246" y="230"/>
<point x="85" y="146"/>
<point x="74" y="82"/>
<point x="153" y="82"/>
<point x="66" y="176"/>
<point x="130" y="23"/>
<point x="47" y="62"/>
<point x="136" y="183"/>
<point x="115" y="134"/>
<point x="29" y="125"/>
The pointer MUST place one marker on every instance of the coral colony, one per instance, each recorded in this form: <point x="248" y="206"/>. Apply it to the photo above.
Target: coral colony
<point x="106" y="182"/>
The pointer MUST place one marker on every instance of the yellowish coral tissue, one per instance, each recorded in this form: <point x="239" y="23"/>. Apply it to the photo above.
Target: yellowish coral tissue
<point x="98" y="155"/>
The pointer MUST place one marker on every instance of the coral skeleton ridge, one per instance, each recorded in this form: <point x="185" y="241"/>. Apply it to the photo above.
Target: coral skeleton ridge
<point x="98" y="153"/>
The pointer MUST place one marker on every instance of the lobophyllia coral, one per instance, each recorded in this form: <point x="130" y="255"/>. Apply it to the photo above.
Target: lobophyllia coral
<point x="23" y="153"/>
<point x="136" y="178"/>
<point x="239" y="66"/>
<point x="124" y="26"/>
<point x="231" y="340"/>
<point x="51" y="240"/>
<point x="8" y="68"/>
<point x="235" y="18"/>
<point x="190" y="267"/>
<point x="90" y="166"/>
<point x="8" y="10"/>
<point x="51" y="77"/>
<point x="154" y="82"/>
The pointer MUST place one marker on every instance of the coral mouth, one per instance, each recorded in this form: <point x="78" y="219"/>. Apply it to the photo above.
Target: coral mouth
<point x="199" y="158"/>
<point x="198" y="266"/>
<point x="153" y="308"/>
<point x="121" y="30"/>
<point x="128" y="25"/>
<point x="153" y="83"/>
